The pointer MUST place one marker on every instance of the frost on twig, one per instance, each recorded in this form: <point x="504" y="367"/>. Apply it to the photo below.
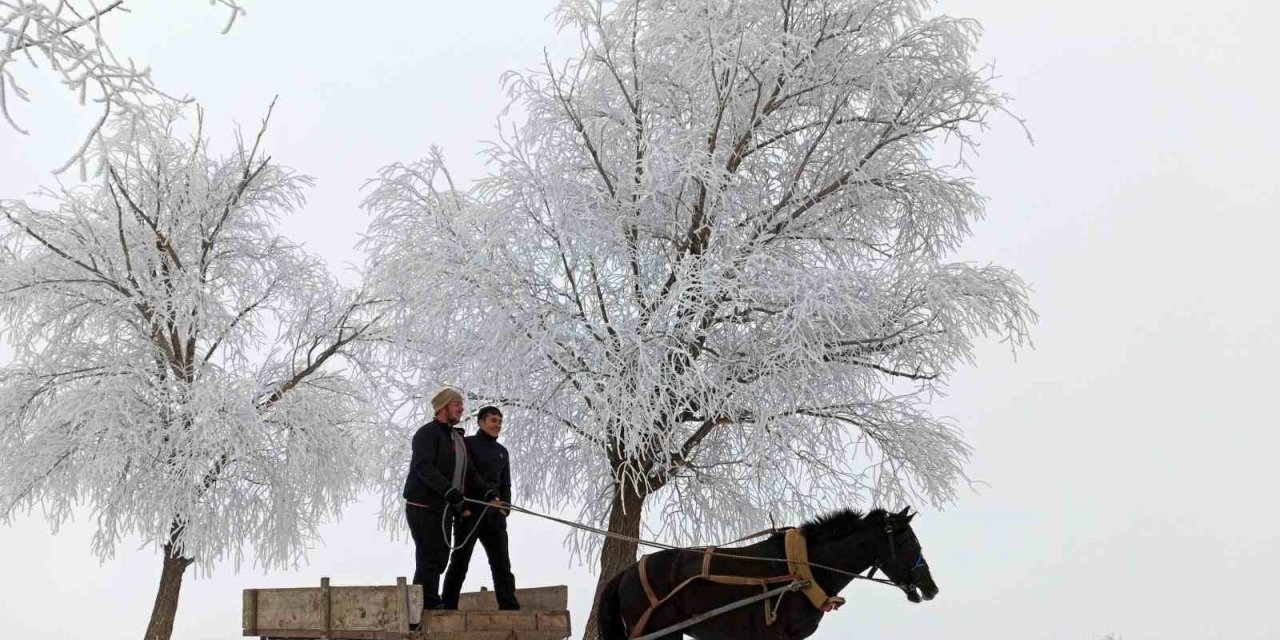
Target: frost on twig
<point x="68" y="36"/>
<point x="181" y="370"/>
<point x="708" y="268"/>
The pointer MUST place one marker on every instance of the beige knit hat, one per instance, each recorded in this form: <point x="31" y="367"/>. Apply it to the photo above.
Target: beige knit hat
<point x="446" y="395"/>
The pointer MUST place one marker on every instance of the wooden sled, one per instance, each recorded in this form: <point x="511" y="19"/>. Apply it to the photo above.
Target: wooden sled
<point x="388" y="612"/>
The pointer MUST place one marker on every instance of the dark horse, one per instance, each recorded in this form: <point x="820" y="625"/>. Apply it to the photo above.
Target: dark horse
<point x="845" y="540"/>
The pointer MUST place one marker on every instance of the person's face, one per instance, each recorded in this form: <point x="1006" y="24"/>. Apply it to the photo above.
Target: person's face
<point x="492" y="424"/>
<point x="452" y="412"/>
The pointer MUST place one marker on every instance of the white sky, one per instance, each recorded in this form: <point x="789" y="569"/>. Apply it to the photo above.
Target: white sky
<point x="1126" y="461"/>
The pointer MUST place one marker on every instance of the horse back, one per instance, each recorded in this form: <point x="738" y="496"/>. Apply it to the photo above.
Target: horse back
<point x="669" y="568"/>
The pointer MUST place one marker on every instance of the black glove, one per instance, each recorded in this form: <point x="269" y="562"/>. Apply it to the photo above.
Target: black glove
<point x="453" y="496"/>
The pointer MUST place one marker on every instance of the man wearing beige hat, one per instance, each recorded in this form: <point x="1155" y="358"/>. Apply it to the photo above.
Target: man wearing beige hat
<point x="439" y="473"/>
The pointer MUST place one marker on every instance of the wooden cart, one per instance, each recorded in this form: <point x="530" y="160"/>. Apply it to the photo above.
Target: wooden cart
<point x="391" y="612"/>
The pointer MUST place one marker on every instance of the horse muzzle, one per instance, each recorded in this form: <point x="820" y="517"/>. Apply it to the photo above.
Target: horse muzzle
<point x="920" y="592"/>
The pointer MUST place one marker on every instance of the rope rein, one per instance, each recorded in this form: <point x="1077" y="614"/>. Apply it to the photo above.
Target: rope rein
<point x="660" y="545"/>
<point x="445" y="522"/>
<point x="737" y="604"/>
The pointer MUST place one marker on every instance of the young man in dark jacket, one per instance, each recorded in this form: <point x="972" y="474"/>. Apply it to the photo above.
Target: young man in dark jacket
<point x="439" y="476"/>
<point x="488" y="525"/>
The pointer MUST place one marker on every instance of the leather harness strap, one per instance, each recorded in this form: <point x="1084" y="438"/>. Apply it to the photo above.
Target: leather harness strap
<point x="797" y="564"/>
<point x="644" y="580"/>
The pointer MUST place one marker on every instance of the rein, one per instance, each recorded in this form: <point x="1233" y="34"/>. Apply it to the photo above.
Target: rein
<point x="794" y="586"/>
<point x="446" y="520"/>
<point x="659" y="545"/>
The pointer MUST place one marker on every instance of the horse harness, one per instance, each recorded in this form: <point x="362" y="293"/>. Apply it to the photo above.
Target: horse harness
<point x="798" y="572"/>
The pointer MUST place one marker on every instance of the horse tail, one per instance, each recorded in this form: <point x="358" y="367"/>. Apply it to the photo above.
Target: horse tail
<point x="609" y="611"/>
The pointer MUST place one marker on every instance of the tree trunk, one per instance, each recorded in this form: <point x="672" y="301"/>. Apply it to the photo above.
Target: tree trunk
<point x="166" y="607"/>
<point x="616" y="555"/>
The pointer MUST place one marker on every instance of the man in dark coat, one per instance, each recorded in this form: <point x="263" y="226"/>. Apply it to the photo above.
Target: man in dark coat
<point x="439" y="476"/>
<point x="488" y="525"/>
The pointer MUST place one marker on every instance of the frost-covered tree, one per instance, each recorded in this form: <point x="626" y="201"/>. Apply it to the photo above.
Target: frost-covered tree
<point x="67" y="35"/>
<point x="180" y="370"/>
<point x="710" y="263"/>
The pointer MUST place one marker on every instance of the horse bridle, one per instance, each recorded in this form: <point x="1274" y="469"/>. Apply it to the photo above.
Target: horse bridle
<point x="893" y="555"/>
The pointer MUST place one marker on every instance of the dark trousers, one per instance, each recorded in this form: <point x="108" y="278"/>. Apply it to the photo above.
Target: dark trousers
<point x="492" y="534"/>
<point x="430" y="551"/>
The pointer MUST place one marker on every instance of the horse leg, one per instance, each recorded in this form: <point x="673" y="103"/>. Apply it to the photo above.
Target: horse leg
<point x="609" y="611"/>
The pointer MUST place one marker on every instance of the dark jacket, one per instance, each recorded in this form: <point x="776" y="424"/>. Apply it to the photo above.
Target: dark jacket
<point x="431" y="469"/>
<point x="490" y="459"/>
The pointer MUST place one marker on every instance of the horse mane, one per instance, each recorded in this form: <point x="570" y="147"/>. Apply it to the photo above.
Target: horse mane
<point x="840" y="523"/>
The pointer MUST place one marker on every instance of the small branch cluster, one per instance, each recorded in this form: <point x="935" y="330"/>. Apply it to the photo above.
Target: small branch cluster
<point x="68" y="35"/>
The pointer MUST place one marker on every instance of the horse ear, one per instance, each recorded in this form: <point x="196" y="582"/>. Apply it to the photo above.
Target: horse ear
<point x="903" y="513"/>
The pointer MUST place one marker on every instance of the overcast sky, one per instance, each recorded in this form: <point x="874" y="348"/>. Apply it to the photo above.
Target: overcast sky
<point x="1127" y="483"/>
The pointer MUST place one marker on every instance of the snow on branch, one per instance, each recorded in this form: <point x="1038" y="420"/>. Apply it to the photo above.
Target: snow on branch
<point x="181" y="370"/>
<point x="68" y="36"/>
<point x="709" y="265"/>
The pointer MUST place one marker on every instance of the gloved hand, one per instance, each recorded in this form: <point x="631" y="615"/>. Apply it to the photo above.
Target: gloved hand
<point x="495" y="501"/>
<point x="456" y="503"/>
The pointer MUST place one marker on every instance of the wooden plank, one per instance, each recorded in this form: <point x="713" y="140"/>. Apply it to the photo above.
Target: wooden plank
<point x="350" y="608"/>
<point x="502" y="620"/>
<point x="339" y="610"/>
<point x="369" y="608"/>
<point x="415" y="603"/>
<point x="436" y="622"/>
<point x="249" y="613"/>
<point x="402" y="605"/>
<point x="493" y="634"/>
<point x="326" y="608"/>
<point x="554" y="621"/>
<point x="313" y="634"/>
<point x="501" y="634"/>
<point x="288" y="609"/>
<point x="554" y="598"/>
<point x="443" y="621"/>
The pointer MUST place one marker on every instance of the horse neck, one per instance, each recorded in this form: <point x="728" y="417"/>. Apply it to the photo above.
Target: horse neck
<point x="853" y="553"/>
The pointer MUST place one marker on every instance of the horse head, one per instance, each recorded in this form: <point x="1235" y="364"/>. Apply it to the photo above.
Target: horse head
<point x="901" y="559"/>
